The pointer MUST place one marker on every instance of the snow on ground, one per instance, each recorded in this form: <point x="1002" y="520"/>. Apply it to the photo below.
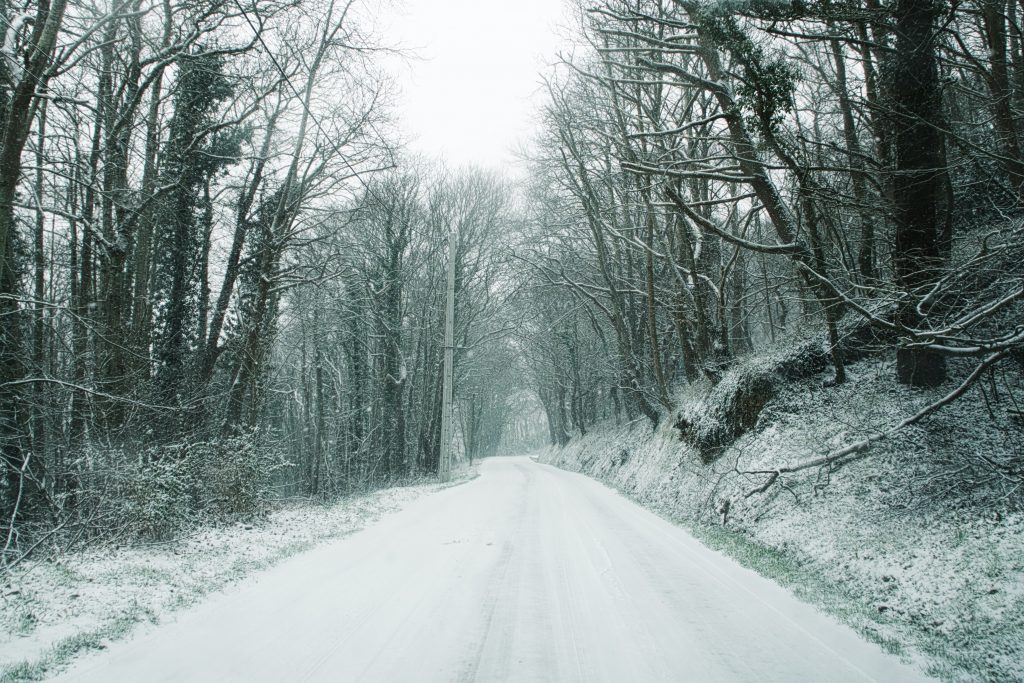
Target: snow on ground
<point x="920" y="546"/>
<point x="52" y="608"/>
<point x="528" y="573"/>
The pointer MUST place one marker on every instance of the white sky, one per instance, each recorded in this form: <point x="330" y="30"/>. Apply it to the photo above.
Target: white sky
<point x="470" y="98"/>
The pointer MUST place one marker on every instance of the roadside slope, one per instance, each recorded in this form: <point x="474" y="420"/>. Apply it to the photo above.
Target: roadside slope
<point x="919" y="546"/>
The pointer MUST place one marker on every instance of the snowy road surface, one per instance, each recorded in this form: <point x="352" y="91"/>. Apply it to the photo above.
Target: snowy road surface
<point x="527" y="573"/>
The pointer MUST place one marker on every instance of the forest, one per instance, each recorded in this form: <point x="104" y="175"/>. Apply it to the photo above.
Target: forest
<point x="222" y="279"/>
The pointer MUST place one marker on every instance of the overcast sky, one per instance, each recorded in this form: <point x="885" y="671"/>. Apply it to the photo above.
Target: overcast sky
<point x="470" y="96"/>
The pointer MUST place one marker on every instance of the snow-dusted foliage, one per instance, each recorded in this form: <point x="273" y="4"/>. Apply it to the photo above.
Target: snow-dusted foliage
<point x="171" y="489"/>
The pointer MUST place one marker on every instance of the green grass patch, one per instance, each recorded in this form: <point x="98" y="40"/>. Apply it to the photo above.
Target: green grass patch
<point x="63" y="650"/>
<point x="806" y="584"/>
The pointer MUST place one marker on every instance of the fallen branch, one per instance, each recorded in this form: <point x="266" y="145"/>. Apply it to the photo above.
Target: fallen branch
<point x="858" y="450"/>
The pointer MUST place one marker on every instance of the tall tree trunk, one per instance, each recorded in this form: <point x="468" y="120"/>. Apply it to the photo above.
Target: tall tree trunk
<point x="918" y="106"/>
<point x="17" y="110"/>
<point x="651" y="300"/>
<point x="142" y="264"/>
<point x="243" y="221"/>
<point x="866" y="248"/>
<point x="998" y="79"/>
<point x="39" y="408"/>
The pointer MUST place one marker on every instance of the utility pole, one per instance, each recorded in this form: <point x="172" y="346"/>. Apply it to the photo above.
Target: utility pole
<point x="444" y="466"/>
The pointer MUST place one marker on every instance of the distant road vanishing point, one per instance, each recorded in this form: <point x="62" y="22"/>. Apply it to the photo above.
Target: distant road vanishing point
<point x="527" y="573"/>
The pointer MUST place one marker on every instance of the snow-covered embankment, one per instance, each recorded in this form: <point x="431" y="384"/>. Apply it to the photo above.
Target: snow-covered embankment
<point x="919" y="545"/>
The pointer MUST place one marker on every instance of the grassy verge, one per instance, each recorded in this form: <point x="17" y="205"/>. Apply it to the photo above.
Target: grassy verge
<point x="801" y="580"/>
<point x="60" y="653"/>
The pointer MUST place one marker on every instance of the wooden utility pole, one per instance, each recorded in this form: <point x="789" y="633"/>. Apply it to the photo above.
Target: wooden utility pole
<point x="444" y="466"/>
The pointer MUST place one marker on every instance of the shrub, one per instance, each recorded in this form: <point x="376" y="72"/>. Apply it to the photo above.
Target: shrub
<point x="235" y="475"/>
<point x="156" y="495"/>
<point x="142" y="497"/>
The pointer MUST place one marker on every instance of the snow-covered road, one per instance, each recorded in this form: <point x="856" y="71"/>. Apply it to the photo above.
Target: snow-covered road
<point x="527" y="573"/>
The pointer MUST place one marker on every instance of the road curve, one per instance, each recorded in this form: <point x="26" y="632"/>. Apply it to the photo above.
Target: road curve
<point x="527" y="573"/>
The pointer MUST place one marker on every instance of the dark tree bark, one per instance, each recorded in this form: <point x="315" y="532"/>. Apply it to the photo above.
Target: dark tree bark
<point x="918" y="179"/>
